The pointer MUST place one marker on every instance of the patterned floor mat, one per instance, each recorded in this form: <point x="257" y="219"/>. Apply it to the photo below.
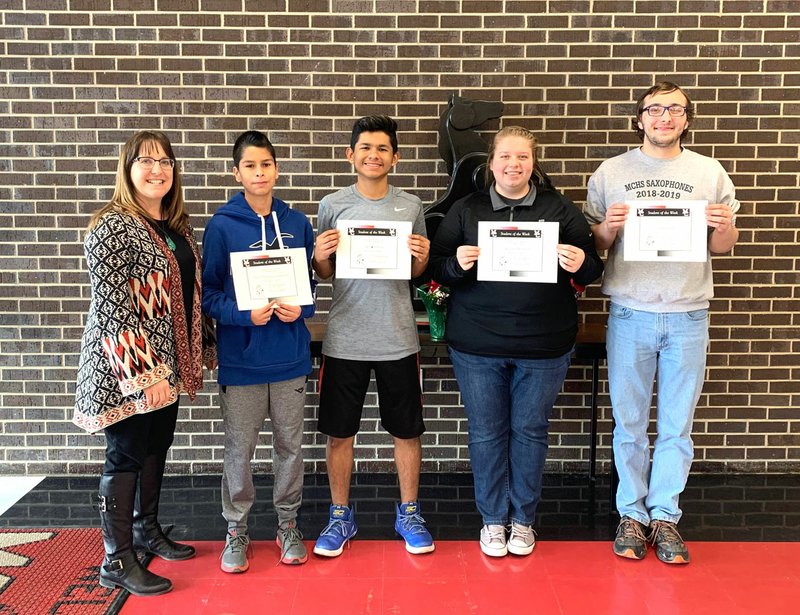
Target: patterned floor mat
<point x="54" y="572"/>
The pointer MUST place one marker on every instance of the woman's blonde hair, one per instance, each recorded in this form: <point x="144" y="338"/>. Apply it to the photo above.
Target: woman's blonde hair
<point x="124" y="198"/>
<point x="539" y="176"/>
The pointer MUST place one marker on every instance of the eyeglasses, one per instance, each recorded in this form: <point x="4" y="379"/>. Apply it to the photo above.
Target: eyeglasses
<point x="148" y="163"/>
<point x="658" y="110"/>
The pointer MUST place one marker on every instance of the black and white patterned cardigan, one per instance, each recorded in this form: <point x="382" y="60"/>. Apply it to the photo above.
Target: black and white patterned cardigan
<point x="135" y="331"/>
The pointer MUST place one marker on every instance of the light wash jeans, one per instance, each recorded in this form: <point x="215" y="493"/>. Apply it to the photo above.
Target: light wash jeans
<point x="670" y="346"/>
<point x="508" y="403"/>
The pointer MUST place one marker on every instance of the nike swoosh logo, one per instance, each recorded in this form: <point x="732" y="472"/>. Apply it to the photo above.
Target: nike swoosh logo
<point x="400" y="208"/>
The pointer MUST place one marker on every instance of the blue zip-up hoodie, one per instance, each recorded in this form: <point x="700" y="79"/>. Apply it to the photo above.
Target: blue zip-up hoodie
<point x="248" y="354"/>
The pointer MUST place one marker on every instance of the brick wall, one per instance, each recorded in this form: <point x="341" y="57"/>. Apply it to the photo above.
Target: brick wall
<point x="78" y="76"/>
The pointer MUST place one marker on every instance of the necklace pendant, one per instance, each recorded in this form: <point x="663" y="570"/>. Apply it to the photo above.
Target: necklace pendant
<point x="170" y="243"/>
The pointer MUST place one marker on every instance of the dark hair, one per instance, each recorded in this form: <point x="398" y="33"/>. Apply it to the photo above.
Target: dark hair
<point x="251" y="138"/>
<point x="375" y="123"/>
<point x="662" y="87"/>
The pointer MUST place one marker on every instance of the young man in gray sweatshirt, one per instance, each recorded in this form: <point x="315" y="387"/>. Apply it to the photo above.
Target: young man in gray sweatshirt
<point x="658" y="317"/>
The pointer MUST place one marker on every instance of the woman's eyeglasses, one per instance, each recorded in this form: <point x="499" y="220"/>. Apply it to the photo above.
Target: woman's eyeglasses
<point x="148" y="163"/>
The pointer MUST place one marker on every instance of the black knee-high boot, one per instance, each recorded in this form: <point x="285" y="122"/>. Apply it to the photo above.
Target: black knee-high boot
<point x="120" y="567"/>
<point x="147" y="533"/>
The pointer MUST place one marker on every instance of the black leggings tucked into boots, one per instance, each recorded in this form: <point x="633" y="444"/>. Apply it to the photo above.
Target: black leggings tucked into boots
<point x="120" y="567"/>
<point x="132" y="440"/>
<point x="130" y="488"/>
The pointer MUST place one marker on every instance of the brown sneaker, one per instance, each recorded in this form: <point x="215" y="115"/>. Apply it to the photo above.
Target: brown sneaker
<point x="669" y="545"/>
<point x="630" y="541"/>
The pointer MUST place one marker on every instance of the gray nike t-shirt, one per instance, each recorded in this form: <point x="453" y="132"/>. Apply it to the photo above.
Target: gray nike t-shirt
<point x="370" y="320"/>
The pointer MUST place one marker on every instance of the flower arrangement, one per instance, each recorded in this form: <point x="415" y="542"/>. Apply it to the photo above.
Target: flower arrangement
<point x="434" y="296"/>
<point x="435" y="292"/>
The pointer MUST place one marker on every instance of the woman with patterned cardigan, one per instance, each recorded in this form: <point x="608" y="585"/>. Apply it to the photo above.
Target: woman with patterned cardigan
<point x="145" y="342"/>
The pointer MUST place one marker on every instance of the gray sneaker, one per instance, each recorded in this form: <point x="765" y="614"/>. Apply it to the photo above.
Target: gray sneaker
<point x="493" y="540"/>
<point x="290" y="541"/>
<point x="234" y="555"/>
<point x="522" y="539"/>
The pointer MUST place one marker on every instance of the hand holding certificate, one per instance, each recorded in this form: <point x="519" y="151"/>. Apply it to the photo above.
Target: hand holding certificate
<point x="666" y="230"/>
<point x="261" y="277"/>
<point x="371" y="249"/>
<point x="518" y="251"/>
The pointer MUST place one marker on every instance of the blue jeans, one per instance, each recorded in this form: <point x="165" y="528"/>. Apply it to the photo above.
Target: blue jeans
<point x="670" y="346"/>
<point x="508" y="404"/>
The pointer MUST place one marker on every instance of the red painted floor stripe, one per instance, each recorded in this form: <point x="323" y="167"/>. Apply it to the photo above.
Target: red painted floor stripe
<point x="563" y="578"/>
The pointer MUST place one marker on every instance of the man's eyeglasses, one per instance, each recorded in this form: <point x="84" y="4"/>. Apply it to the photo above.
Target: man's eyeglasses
<point x="148" y="163"/>
<point x="658" y="110"/>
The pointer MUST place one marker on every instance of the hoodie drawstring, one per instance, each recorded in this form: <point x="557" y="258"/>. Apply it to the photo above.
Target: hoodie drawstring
<point x="277" y="232"/>
<point x="277" y="229"/>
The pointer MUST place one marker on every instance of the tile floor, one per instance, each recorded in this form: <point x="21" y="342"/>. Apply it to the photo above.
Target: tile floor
<point x="743" y="532"/>
<point x="560" y="577"/>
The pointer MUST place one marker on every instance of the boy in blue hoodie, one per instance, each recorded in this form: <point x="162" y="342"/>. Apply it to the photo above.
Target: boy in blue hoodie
<point x="264" y="356"/>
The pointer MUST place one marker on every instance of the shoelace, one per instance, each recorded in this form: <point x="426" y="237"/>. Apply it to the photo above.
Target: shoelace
<point x="524" y="532"/>
<point x="291" y="537"/>
<point x="413" y="523"/>
<point x="496" y="533"/>
<point x="334" y="526"/>
<point x="632" y="529"/>
<point x="238" y="542"/>
<point x="667" y="530"/>
<point x="235" y="543"/>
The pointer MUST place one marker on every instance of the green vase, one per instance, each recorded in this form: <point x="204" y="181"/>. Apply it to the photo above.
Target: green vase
<point x="436" y="317"/>
<point x="437" y="314"/>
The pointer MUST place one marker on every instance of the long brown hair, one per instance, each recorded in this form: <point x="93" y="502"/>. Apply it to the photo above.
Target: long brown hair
<point x="539" y="177"/>
<point x="124" y="198"/>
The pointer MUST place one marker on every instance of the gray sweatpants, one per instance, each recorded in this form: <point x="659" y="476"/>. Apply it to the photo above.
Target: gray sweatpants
<point x="244" y="409"/>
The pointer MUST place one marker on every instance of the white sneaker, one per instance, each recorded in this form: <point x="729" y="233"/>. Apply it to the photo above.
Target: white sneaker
<point x="493" y="540"/>
<point x="522" y="539"/>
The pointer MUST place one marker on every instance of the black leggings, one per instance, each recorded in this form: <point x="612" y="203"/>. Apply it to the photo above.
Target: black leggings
<point x="130" y="441"/>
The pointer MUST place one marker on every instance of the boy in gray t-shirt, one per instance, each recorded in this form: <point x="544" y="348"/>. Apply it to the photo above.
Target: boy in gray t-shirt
<point x="371" y="327"/>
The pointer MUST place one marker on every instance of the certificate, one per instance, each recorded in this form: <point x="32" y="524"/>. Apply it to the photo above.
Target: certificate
<point x="666" y="230"/>
<point x="518" y="251"/>
<point x="263" y="276"/>
<point x="373" y="249"/>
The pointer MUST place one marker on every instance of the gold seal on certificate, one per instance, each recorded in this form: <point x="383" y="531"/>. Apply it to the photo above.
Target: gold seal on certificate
<point x="263" y="276"/>
<point x="666" y="230"/>
<point x="373" y="249"/>
<point x="518" y="251"/>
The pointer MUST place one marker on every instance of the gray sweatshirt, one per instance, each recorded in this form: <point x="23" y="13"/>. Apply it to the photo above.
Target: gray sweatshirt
<point x="661" y="286"/>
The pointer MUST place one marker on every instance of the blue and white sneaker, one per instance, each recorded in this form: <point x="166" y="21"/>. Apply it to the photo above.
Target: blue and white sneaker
<point x="410" y="525"/>
<point x="340" y="529"/>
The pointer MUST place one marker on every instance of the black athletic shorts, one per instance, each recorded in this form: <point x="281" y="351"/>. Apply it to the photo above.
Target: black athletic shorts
<point x="343" y="385"/>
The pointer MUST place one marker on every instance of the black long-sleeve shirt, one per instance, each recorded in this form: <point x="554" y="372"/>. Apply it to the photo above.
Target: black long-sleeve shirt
<point x="511" y="319"/>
